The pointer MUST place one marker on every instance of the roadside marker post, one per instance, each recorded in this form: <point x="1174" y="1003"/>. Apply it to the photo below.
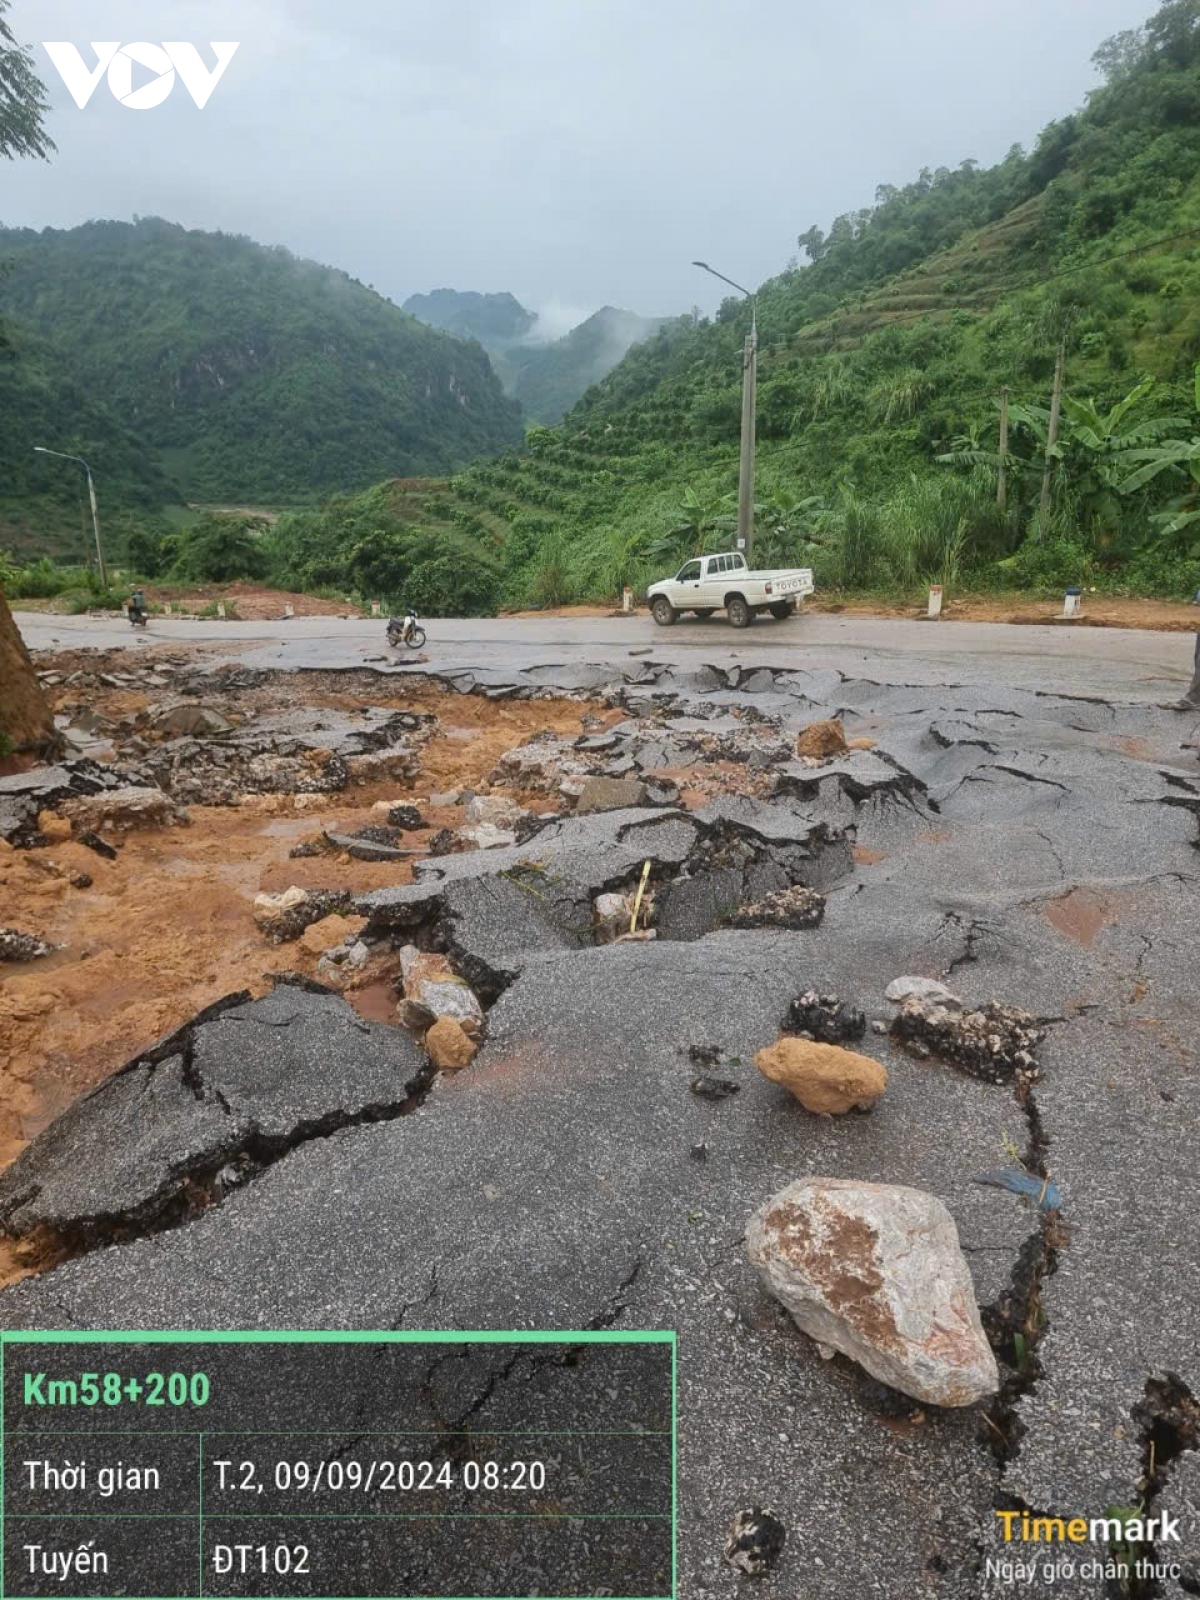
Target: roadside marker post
<point x="374" y="608"/>
<point x="627" y="599"/>
<point x="220" y="608"/>
<point x="935" y="600"/>
<point x="1072" y="607"/>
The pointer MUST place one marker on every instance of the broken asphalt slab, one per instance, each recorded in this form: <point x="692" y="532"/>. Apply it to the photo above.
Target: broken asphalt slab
<point x="237" y="1088"/>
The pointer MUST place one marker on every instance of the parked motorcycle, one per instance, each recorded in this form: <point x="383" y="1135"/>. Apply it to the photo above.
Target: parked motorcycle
<point x="406" y="630"/>
<point x="137" y="617"/>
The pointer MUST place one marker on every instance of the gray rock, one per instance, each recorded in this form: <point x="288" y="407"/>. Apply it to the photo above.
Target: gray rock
<point x="17" y="946"/>
<point x="122" y="809"/>
<point x="285" y="916"/>
<point x="189" y="719"/>
<point x="921" y="989"/>
<point x="875" y="1271"/>
<point x="609" y="794"/>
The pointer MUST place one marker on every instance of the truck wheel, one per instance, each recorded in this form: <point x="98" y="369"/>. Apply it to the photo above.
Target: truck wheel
<point x="705" y="612"/>
<point x="782" y="609"/>
<point x="663" y="612"/>
<point x="739" y="613"/>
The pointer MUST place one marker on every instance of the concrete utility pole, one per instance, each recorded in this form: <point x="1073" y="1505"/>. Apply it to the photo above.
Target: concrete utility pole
<point x="40" y="449"/>
<point x="745" y="532"/>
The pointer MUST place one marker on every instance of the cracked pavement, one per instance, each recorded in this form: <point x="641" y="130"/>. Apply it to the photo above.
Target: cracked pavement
<point x="1027" y="846"/>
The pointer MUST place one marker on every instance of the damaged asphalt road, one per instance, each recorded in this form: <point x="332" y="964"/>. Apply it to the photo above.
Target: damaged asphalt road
<point x="1033" y="849"/>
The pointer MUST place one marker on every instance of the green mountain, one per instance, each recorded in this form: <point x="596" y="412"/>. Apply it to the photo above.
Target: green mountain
<point x="238" y="372"/>
<point x="493" y="319"/>
<point x="884" y="361"/>
<point x="547" y="376"/>
<point x="550" y="378"/>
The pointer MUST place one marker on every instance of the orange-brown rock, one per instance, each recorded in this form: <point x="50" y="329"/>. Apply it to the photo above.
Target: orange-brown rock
<point x="822" y="739"/>
<point x="448" y="1046"/>
<point x="824" y="1078"/>
<point x="330" y="932"/>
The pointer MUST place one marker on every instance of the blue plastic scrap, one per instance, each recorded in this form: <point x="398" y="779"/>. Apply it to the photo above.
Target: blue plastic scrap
<point x="1044" y="1190"/>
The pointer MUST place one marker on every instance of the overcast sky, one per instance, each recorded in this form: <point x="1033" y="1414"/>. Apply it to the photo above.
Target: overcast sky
<point x="575" y="152"/>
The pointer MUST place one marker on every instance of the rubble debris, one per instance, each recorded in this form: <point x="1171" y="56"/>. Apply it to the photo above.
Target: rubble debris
<point x="994" y="1043"/>
<point x="824" y="1018"/>
<point x="398" y="815"/>
<point x="613" y="913"/>
<point x="486" y="836"/>
<point x="94" y="842"/>
<point x="310" y="751"/>
<point x="449" y="1046"/>
<point x="432" y="990"/>
<point x="825" y="1078"/>
<point x="921" y="989"/>
<point x="876" y="1271"/>
<point x="704" y="1055"/>
<point x="797" y="907"/>
<point x="710" y="1088"/>
<point x="545" y="764"/>
<point x="820" y="740"/>
<point x="371" y="844"/>
<point x="140" y="807"/>
<point x="343" y="960"/>
<point x="496" y="811"/>
<point x="18" y="946"/>
<point x="285" y="916"/>
<point x="755" y="1542"/>
<point x="443" y="843"/>
<point x="189" y="720"/>
<point x="610" y="794"/>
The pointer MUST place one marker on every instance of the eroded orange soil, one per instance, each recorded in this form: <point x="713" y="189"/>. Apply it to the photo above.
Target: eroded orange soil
<point x="168" y="926"/>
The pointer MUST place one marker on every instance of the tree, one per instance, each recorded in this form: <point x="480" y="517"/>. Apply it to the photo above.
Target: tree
<point x="26" y="726"/>
<point x="218" y="549"/>
<point x="22" y="102"/>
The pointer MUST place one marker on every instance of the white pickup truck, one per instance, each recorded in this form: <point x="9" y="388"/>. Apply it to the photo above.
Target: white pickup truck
<point x="714" y="583"/>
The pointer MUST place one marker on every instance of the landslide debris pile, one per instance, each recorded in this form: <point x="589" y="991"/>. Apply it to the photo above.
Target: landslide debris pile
<point x="849" y="1157"/>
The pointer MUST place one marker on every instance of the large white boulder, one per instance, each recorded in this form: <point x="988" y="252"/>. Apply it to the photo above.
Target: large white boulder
<point x="875" y="1270"/>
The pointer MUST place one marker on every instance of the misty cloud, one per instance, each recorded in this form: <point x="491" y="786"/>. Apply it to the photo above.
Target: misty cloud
<point x="576" y="152"/>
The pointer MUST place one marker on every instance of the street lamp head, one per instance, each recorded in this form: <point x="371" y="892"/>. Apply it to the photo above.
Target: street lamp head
<point x="703" y="264"/>
<point x="40" y="449"/>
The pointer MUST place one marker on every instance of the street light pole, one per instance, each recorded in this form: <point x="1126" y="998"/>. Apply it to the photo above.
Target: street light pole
<point x="745" y="531"/>
<point x="40" y="449"/>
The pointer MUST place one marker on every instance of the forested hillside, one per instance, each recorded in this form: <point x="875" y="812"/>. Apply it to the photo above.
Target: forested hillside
<point x="239" y="372"/>
<point x="885" y="351"/>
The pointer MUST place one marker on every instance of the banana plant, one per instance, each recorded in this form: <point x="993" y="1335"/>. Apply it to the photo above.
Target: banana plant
<point x="701" y="514"/>
<point x="1166" y="456"/>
